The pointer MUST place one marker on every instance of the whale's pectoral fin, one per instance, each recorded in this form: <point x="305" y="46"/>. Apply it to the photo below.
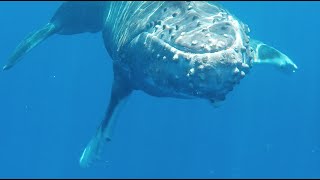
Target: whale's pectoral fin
<point x="264" y="54"/>
<point x="120" y="92"/>
<point x="31" y="41"/>
<point x="70" y="18"/>
<point x="74" y="17"/>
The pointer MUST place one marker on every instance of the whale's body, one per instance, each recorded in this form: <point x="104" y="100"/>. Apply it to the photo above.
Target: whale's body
<point x="166" y="49"/>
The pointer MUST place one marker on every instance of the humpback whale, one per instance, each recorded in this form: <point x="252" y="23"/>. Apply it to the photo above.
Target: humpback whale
<point x="179" y="49"/>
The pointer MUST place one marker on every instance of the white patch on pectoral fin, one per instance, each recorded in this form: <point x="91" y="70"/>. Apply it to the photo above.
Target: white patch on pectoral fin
<point x="265" y="54"/>
<point x="93" y="150"/>
<point x="119" y="95"/>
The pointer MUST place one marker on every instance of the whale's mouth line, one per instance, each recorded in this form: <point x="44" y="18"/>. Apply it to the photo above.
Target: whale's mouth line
<point x="167" y="45"/>
<point x="177" y="51"/>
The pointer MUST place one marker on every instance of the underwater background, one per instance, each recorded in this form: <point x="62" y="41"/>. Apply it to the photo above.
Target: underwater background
<point x="54" y="99"/>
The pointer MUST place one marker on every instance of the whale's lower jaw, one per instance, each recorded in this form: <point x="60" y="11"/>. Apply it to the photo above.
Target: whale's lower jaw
<point x="163" y="70"/>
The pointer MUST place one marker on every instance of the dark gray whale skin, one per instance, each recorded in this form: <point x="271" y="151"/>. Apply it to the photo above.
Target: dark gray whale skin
<point x="167" y="49"/>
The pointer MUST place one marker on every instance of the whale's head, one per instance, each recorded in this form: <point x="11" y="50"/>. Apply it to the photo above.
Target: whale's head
<point x="192" y="49"/>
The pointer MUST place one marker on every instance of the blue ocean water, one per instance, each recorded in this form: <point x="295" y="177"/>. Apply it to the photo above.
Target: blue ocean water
<point x="54" y="99"/>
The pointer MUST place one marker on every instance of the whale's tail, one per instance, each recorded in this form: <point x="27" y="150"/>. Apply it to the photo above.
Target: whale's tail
<point x="31" y="41"/>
